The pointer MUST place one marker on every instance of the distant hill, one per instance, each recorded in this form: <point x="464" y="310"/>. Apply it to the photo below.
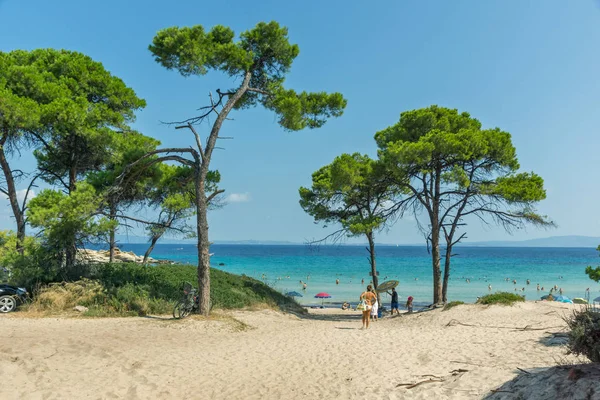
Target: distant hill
<point x="552" y="241"/>
<point x="132" y="239"/>
<point x="266" y="242"/>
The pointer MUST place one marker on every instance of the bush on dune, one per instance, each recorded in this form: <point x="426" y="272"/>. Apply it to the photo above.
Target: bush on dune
<point x="504" y="298"/>
<point x="134" y="289"/>
<point x="584" y="336"/>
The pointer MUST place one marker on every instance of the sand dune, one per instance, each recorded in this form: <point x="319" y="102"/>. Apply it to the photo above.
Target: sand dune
<point x="266" y="354"/>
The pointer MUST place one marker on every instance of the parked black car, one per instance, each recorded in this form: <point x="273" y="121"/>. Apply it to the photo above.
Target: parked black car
<point x="11" y="297"/>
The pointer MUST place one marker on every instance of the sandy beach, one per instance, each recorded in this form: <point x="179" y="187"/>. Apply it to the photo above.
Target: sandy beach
<point x="268" y="354"/>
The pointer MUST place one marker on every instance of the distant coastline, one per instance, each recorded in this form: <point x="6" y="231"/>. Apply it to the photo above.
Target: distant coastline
<point x="572" y="241"/>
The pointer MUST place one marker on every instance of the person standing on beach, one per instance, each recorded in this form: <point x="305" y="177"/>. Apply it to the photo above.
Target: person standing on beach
<point x="375" y="308"/>
<point x="394" y="305"/>
<point x="369" y="299"/>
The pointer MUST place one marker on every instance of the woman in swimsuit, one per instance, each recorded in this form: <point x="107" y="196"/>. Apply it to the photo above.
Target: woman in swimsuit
<point x="370" y="298"/>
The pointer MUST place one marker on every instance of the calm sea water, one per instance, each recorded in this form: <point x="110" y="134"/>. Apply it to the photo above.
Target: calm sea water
<point x="284" y="266"/>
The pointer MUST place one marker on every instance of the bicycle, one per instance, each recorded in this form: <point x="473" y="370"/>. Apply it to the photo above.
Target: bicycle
<point x="190" y="302"/>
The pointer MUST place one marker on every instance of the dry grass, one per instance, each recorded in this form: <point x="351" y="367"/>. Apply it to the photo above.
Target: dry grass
<point x="61" y="297"/>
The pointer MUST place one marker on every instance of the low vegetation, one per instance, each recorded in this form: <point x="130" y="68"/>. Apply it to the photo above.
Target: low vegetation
<point x="504" y="298"/>
<point x="584" y="336"/>
<point x="452" y="304"/>
<point x="133" y="289"/>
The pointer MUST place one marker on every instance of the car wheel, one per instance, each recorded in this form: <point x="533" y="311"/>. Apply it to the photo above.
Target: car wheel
<point x="7" y="304"/>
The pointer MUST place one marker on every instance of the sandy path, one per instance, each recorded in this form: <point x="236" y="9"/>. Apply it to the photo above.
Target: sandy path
<point x="277" y="356"/>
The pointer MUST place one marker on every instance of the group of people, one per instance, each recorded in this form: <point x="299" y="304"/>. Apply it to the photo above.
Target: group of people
<point x="369" y="305"/>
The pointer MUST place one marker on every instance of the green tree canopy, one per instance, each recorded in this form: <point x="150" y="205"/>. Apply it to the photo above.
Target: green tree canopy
<point x="264" y="53"/>
<point x="66" y="221"/>
<point x="69" y="108"/>
<point x="79" y="104"/>
<point x="126" y="147"/>
<point x="453" y="168"/>
<point x="354" y="192"/>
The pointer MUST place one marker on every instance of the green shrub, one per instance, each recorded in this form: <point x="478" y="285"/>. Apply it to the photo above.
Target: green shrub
<point x="133" y="289"/>
<point x="504" y="298"/>
<point x="452" y="304"/>
<point x="584" y="336"/>
<point x="228" y="291"/>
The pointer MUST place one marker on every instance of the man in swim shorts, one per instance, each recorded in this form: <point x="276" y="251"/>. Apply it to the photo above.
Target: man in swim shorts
<point x="394" y="302"/>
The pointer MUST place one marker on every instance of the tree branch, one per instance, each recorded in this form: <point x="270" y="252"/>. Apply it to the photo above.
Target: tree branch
<point x="260" y="91"/>
<point x="196" y="136"/>
<point x="158" y="224"/>
<point x="214" y="194"/>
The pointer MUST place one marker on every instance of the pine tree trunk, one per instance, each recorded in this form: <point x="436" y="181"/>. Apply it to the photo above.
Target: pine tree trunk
<point x="437" y="273"/>
<point x="111" y="240"/>
<point x="372" y="259"/>
<point x="435" y="238"/>
<point x="203" y="245"/>
<point x="70" y="261"/>
<point x="446" y="274"/>
<point x="12" y="196"/>
<point x="70" y="244"/>
<point x="149" y="251"/>
<point x="201" y="201"/>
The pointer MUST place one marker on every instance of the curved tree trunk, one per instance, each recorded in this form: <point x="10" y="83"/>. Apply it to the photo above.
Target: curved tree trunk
<point x="201" y="200"/>
<point x="149" y="251"/>
<point x="12" y="196"/>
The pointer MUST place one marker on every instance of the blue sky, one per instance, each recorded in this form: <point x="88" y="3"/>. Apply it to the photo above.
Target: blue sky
<point x="528" y="67"/>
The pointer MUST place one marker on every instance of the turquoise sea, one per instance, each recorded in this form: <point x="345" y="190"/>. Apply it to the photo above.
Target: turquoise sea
<point x="284" y="266"/>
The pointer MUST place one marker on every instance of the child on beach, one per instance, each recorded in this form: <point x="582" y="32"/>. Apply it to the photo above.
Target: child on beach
<point x="409" y="304"/>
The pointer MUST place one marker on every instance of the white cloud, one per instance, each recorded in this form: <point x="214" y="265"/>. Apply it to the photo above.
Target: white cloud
<point x="238" y="197"/>
<point x="21" y="195"/>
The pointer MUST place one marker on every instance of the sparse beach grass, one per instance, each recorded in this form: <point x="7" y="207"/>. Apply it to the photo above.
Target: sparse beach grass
<point x="504" y="298"/>
<point x="452" y="304"/>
